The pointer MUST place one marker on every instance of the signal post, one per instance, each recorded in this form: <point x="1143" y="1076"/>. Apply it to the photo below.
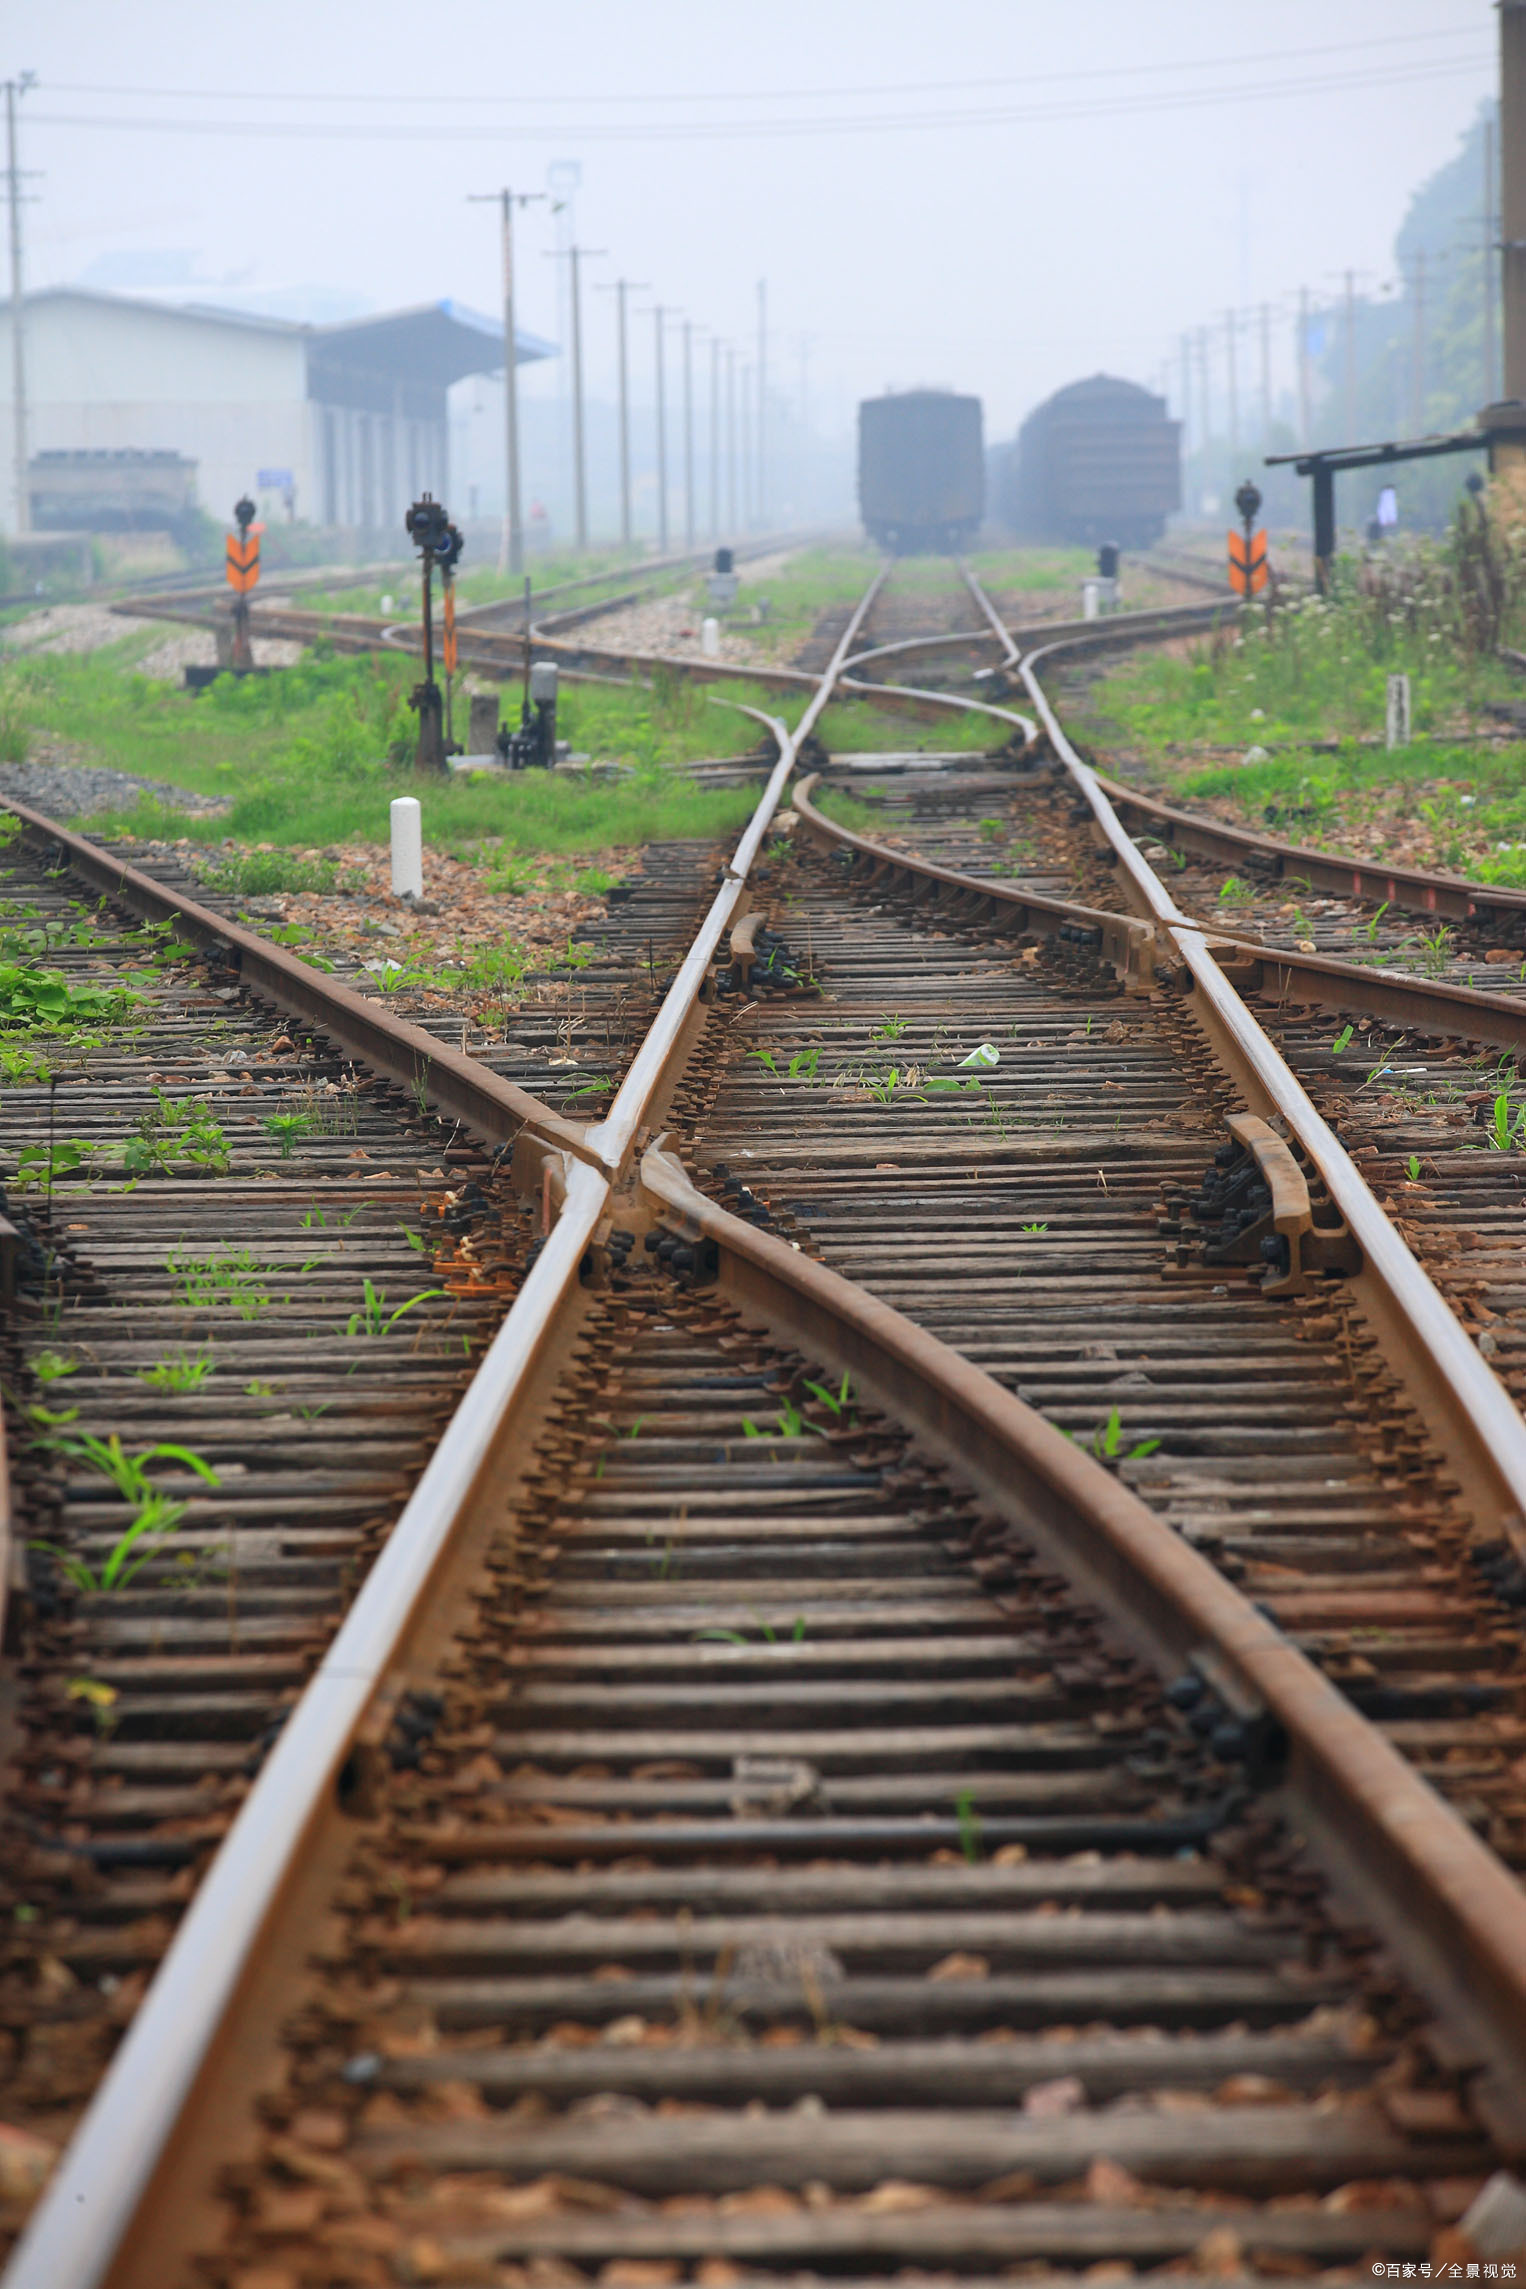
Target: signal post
<point x="1247" y="548"/>
<point x="243" y="572"/>
<point x="439" y="544"/>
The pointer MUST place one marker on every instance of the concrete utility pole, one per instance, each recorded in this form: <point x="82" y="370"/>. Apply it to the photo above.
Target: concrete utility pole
<point x="1512" y="17"/>
<point x="620" y="288"/>
<point x="731" y="439"/>
<point x="1489" y="282"/>
<point x="576" y="256"/>
<point x="688" y="433"/>
<point x="762" y="396"/>
<point x="1266" y="370"/>
<point x="511" y="552"/>
<point x="15" y="89"/>
<point x="1350" y="347"/>
<point x="1306" y="435"/>
<point x="747" y="443"/>
<point x="660" y="315"/>
<point x="1186" y="348"/>
<point x="1417" y="352"/>
<point x="1233" y="382"/>
<point x="715" y="437"/>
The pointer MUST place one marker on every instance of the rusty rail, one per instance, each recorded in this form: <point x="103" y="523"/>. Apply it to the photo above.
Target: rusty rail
<point x="166" y="2109"/>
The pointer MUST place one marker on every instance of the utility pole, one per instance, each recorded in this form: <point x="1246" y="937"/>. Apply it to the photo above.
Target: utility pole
<point x="1186" y="349"/>
<point x="1350" y="357"/>
<point x="1204" y="415"/>
<point x="1307" y="436"/>
<point x="731" y="439"/>
<point x="620" y="288"/>
<point x="575" y="257"/>
<point x="660" y="314"/>
<point x="715" y="437"/>
<point x="511" y="553"/>
<point x="15" y="89"/>
<point x="747" y="441"/>
<point x="1417" y="354"/>
<point x="1488" y="269"/>
<point x="762" y="396"/>
<point x="689" y="433"/>
<point x="1233" y="382"/>
<point x="1266" y="371"/>
<point x="1512" y="208"/>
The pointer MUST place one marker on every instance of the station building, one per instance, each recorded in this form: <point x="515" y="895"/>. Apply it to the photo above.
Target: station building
<point x="337" y="425"/>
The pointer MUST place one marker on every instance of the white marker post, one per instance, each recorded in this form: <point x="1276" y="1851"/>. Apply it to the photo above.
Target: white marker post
<point x="1398" y="719"/>
<point x="407" y="847"/>
<point x="710" y="639"/>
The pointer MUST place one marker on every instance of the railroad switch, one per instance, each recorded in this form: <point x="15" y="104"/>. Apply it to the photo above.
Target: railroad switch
<point x="1255" y="1207"/>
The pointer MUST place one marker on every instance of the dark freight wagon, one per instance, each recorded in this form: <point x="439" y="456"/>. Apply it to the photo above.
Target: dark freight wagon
<point x="1100" y="460"/>
<point x="921" y="470"/>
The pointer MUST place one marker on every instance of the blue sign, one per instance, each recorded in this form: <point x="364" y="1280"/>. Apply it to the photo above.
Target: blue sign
<point x="274" y="480"/>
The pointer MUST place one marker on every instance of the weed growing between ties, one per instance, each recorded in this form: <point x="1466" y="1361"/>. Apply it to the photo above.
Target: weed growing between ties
<point x="153" y="1515"/>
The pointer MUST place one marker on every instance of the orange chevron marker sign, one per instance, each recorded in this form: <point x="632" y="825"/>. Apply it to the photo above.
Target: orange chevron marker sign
<point x="243" y="567"/>
<point x="1247" y="563"/>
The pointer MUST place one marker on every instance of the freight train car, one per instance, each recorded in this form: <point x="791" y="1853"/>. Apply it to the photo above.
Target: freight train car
<point x="921" y="470"/>
<point x="1100" y="460"/>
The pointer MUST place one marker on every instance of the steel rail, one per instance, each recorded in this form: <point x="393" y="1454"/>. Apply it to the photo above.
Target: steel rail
<point x="459" y="1086"/>
<point x="1464" y="1405"/>
<point x="1451" y="1910"/>
<point x="162" y="2114"/>
<point x="1422" y="890"/>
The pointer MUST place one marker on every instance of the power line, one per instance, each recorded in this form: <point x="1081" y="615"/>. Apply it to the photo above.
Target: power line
<point x="785" y="95"/>
<point x="669" y="131"/>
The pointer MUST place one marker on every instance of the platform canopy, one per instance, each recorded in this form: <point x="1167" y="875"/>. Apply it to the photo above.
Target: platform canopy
<point x="435" y="344"/>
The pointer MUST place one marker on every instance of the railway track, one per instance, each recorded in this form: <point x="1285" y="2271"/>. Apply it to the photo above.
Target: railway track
<point x="776" y="1804"/>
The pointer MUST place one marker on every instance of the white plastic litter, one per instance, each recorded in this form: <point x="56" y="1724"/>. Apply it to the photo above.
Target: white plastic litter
<point x="982" y="1059"/>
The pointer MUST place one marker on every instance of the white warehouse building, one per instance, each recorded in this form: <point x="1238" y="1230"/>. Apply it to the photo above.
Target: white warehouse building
<point x="339" y="425"/>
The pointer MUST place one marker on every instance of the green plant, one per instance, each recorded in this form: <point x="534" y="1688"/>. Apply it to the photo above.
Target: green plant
<point x="1034" y="1231"/>
<point x="1232" y="887"/>
<point x="49" y="1366"/>
<point x="1504" y="1127"/>
<point x="1342" y="1039"/>
<point x="889" y="1029"/>
<point x="373" y="1317"/>
<point x="971" y="1828"/>
<point x="186" y="1371"/>
<point x="261" y="873"/>
<point x="232" y="1277"/>
<point x="840" y="1401"/>
<point x="739" y="1636"/>
<point x="287" y="1127"/>
<point x="154" y="1514"/>
<point x="1106" y="1442"/>
<point x="45" y="1164"/>
<point x="1413" y="1165"/>
<point x="172" y="1131"/>
<point x="22" y="1067"/>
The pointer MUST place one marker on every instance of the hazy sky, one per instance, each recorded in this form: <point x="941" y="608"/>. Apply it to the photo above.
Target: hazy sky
<point x="997" y="194"/>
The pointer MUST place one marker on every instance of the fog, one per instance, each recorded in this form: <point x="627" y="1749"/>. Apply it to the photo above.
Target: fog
<point x="993" y="194"/>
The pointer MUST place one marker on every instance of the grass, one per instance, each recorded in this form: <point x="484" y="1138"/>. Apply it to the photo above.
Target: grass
<point x="1235" y="719"/>
<point x="1017" y="570"/>
<point x="855" y="727"/>
<point x="313" y="756"/>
